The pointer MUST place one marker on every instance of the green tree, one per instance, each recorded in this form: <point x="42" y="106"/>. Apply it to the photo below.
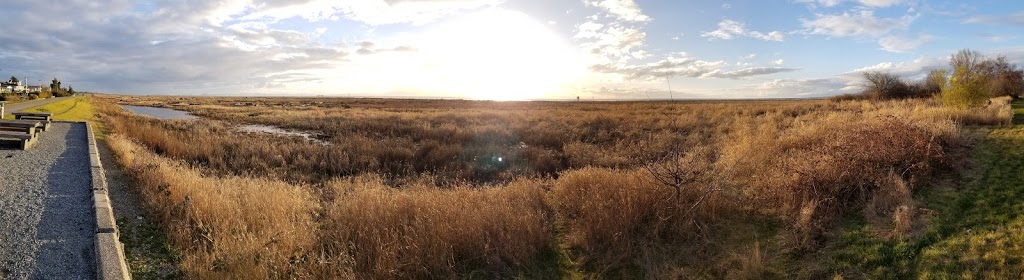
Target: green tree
<point x="55" y="86"/>
<point x="967" y="86"/>
<point x="14" y="79"/>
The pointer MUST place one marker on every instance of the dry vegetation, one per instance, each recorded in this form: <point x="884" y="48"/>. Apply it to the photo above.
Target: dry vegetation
<point x="461" y="189"/>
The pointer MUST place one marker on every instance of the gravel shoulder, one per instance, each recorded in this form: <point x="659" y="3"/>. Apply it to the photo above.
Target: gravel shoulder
<point x="46" y="207"/>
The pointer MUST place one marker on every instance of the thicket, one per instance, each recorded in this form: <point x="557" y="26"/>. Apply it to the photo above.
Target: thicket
<point x="972" y="80"/>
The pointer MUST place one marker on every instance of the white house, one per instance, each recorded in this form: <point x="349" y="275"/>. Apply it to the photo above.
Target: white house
<point x="12" y="87"/>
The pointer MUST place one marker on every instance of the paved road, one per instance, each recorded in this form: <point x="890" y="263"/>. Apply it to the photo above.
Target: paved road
<point x="46" y="215"/>
<point x="11" y="108"/>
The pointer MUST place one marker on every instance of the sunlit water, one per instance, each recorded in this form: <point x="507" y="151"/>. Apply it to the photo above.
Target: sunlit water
<point x="160" y="113"/>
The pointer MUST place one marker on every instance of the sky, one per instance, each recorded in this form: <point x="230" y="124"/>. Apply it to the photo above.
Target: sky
<point x="495" y="49"/>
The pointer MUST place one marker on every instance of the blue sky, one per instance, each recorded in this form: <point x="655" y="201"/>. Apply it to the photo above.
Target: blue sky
<point x="496" y="49"/>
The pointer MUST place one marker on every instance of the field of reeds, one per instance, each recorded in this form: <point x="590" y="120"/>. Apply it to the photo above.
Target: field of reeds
<point x="476" y="189"/>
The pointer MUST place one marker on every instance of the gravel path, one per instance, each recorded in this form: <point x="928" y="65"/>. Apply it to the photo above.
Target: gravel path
<point x="46" y="216"/>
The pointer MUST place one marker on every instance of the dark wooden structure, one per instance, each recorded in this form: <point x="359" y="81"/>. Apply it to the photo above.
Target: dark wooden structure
<point x="44" y="118"/>
<point x="24" y="130"/>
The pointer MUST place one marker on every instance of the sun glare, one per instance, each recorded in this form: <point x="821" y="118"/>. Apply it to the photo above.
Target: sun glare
<point x="498" y="55"/>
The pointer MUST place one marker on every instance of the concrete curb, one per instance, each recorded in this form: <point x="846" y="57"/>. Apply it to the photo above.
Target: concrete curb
<point x="110" y="260"/>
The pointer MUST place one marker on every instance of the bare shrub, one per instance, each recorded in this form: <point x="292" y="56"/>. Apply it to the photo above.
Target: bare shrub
<point x="882" y="85"/>
<point x="615" y="216"/>
<point x="821" y="172"/>
<point x="892" y="206"/>
<point x="1005" y="78"/>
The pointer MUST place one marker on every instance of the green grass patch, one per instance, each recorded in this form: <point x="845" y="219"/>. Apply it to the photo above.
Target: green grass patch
<point x="72" y="109"/>
<point x="978" y="226"/>
<point x="148" y="254"/>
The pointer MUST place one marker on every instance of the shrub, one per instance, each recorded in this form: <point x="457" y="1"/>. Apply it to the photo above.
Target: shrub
<point x="967" y="87"/>
<point x="815" y="174"/>
<point x="616" y="216"/>
<point x="1005" y="79"/>
<point x="882" y="85"/>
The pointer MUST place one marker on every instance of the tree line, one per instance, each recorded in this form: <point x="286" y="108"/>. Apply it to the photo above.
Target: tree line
<point x="55" y="89"/>
<point x="972" y="78"/>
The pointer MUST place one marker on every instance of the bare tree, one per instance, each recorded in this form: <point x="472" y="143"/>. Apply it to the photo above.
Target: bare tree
<point x="882" y="85"/>
<point x="968" y="61"/>
<point x="680" y="169"/>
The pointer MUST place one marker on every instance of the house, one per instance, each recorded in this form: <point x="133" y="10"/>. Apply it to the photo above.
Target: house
<point x="16" y="86"/>
<point x="12" y="86"/>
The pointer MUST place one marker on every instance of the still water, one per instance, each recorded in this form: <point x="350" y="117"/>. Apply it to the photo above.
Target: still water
<point x="160" y="113"/>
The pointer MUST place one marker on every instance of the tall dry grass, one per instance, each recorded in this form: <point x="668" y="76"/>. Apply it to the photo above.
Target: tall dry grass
<point x="225" y="227"/>
<point x="424" y="232"/>
<point x="459" y="189"/>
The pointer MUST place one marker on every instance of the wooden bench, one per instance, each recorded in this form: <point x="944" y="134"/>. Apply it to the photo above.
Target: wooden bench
<point x="26" y="126"/>
<point x="45" y="118"/>
<point x="25" y="138"/>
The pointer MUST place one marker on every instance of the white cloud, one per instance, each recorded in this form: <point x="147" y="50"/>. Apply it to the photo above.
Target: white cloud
<point x="915" y="69"/>
<point x="625" y="10"/>
<point x="747" y="72"/>
<point x="803" y="87"/>
<point x="672" y="66"/>
<point x="373" y="12"/>
<point x="614" y="39"/>
<point x="900" y="44"/>
<point x="1013" y="19"/>
<point x="778" y="62"/>
<point x="869" y="3"/>
<point x="863" y="23"/>
<point x="682" y="65"/>
<point x="730" y="29"/>
<point x="996" y="37"/>
<point x="613" y="42"/>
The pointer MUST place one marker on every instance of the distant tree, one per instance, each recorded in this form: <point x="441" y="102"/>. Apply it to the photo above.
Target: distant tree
<point x="13" y="79"/>
<point x="71" y="91"/>
<point x="55" y="86"/>
<point x="934" y="82"/>
<point x="881" y="85"/>
<point x="1005" y="78"/>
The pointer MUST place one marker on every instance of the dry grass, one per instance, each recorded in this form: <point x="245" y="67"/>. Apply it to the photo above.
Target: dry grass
<point x="424" y="232"/>
<point x="461" y="189"/>
<point x="225" y="227"/>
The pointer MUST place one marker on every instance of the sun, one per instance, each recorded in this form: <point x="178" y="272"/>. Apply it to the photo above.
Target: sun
<point x="498" y="55"/>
